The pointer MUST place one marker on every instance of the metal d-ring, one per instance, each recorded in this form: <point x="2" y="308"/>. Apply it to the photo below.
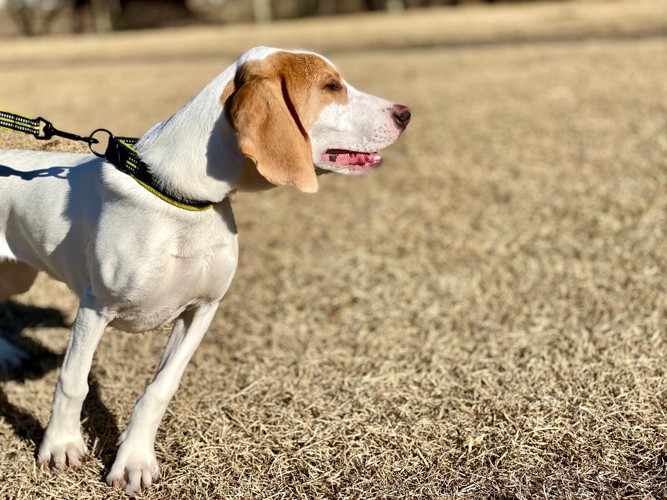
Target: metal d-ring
<point x="92" y="136"/>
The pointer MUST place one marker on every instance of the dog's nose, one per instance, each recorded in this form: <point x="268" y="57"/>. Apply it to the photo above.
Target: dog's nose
<point x="401" y="115"/>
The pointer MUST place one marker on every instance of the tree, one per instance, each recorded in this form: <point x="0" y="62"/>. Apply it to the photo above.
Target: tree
<point x="34" y="17"/>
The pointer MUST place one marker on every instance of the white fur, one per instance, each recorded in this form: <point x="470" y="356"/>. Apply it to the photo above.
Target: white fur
<point x="362" y="124"/>
<point x="137" y="262"/>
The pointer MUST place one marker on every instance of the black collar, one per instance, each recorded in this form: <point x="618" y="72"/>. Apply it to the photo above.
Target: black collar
<point x="122" y="155"/>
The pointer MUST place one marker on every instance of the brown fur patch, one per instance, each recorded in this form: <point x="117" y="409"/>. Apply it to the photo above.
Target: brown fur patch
<point x="272" y="103"/>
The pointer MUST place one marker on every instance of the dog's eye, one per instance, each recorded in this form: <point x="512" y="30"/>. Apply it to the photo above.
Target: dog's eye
<point x="333" y="86"/>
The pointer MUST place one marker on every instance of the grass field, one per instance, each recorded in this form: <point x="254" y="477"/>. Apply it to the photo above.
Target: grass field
<point x="486" y="316"/>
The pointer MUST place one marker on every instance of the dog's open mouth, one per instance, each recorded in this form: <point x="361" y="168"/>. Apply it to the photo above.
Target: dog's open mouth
<point x="352" y="161"/>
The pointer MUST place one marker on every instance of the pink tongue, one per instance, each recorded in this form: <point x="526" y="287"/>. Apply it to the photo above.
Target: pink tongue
<point x="351" y="158"/>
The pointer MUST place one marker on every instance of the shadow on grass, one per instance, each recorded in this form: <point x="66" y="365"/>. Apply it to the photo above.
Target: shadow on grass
<point x="98" y="421"/>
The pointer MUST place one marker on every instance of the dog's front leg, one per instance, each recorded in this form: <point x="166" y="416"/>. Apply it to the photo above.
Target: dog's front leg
<point x="135" y="466"/>
<point x="63" y="443"/>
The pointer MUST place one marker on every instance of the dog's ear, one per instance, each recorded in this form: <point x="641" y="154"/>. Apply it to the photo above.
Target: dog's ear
<point x="270" y="133"/>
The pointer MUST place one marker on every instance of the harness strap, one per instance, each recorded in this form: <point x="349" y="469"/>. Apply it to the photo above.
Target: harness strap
<point x="120" y="153"/>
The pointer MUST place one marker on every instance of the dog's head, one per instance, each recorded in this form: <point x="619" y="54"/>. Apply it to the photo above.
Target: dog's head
<point x="292" y="112"/>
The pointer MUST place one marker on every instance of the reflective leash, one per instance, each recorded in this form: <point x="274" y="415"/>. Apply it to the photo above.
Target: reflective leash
<point x="39" y="127"/>
<point x="120" y="153"/>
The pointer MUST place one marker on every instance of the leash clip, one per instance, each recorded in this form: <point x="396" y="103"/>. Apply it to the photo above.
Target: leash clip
<point x="45" y="131"/>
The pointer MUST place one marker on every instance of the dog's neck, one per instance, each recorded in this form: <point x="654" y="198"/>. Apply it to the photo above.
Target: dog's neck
<point x="194" y="153"/>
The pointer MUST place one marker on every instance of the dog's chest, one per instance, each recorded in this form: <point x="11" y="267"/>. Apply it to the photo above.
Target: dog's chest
<point x="180" y="283"/>
<point x="173" y="267"/>
<point x="204" y="275"/>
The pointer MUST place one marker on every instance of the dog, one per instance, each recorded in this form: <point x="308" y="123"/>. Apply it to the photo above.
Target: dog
<point x="273" y="118"/>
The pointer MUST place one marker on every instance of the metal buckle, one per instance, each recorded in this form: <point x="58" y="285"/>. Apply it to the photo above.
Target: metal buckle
<point x="97" y="141"/>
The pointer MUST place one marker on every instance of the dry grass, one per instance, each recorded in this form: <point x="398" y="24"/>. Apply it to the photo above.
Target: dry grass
<point x="485" y="317"/>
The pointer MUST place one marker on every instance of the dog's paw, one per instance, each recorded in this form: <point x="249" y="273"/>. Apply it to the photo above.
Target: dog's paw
<point x="133" y="471"/>
<point x="11" y="357"/>
<point x="59" y="453"/>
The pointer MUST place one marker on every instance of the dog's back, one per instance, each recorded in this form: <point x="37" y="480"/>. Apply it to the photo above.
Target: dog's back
<point x="41" y="221"/>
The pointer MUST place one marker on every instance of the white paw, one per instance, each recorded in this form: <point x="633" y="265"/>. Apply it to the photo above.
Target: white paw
<point x="10" y="357"/>
<point x="134" y="470"/>
<point x="62" y="451"/>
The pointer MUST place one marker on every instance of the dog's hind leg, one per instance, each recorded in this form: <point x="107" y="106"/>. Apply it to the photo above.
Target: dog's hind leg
<point x="63" y="443"/>
<point x="15" y="277"/>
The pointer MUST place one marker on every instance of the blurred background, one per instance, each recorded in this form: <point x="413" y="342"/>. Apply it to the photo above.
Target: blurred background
<point x="40" y="17"/>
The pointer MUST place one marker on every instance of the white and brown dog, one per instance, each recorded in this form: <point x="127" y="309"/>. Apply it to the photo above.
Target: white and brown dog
<point x="137" y="262"/>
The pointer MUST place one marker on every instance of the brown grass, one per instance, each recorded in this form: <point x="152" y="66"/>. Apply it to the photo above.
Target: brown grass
<point x="485" y="317"/>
